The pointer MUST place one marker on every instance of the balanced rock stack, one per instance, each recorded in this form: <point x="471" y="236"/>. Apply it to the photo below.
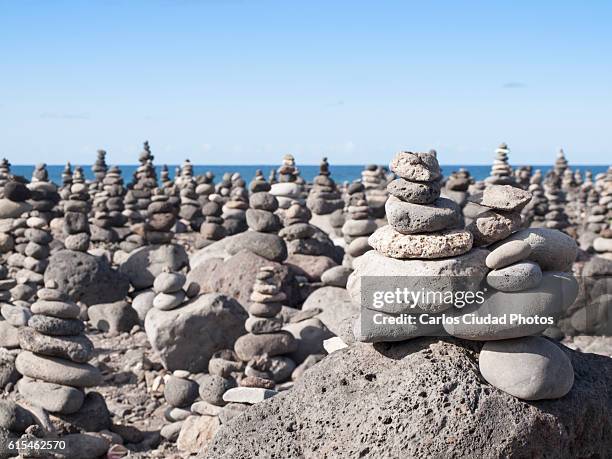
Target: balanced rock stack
<point x="560" y="163"/>
<point x="55" y="355"/>
<point x="223" y="188"/>
<point x="522" y="176"/>
<point x="534" y="212"/>
<point x="145" y="180"/>
<point x="114" y="192"/>
<point x="164" y="176"/>
<point x="374" y="182"/>
<point x="161" y="219"/>
<point x="261" y="217"/>
<point x="528" y="277"/>
<point x="205" y="187"/>
<point x="67" y="176"/>
<point x="603" y="244"/>
<point x="11" y="316"/>
<point x="501" y="172"/>
<point x="212" y="228"/>
<point x="301" y="237"/>
<point x="5" y="174"/>
<point x="44" y="196"/>
<point x="456" y="186"/>
<point x="357" y="228"/>
<point x="420" y="246"/>
<point x="76" y="209"/>
<point x="170" y="294"/>
<point x="287" y="189"/>
<point x="264" y="346"/>
<point x="36" y="252"/>
<point x="190" y="211"/>
<point x="499" y="214"/>
<point x="324" y="197"/>
<point x="259" y="183"/>
<point x="234" y="211"/>
<point x="288" y="172"/>
<point x="556" y="217"/>
<point x="99" y="168"/>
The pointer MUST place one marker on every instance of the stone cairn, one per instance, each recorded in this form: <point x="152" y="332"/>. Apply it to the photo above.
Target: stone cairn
<point x="5" y="174"/>
<point x="36" y="253"/>
<point x="190" y="207"/>
<point x="297" y="232"/>
<point x="164" y="177"/>
<point x="161" y="219"/>
<point x="556" y="216"/>
<point x="113" y="187"/>
<point x="104" y="218"/>
<point x="603" y="244"/>
<point x="522" y="176"/>
<point x="205" y="187"/>
<point x="288" y="188"/>
<point x="12" y="315"/>
<point x="374" y="182"/>
<point x="501" y="172"/>
<point x="560" y="163"/>
<point x="456" y="186"/>
<point x="44" y="193"/>
<point x="356" y="229"/>
<point x="263" y="349"/>
<point x="212" y="228"/>
<point x="261" y="217"/>
<point x="522" y="270"/>
<point x="76" y="225"/>
<point x="99" y="167"/>
<point x="324" y="197"/>
<point x="288" y="172"/>
<point x="234" y="210"/>
<point x="55" y="355"/>
<point x="144" y="182"/>
<point x="535" y="211"/>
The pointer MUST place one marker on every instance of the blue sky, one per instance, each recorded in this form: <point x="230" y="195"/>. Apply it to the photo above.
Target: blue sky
<point x="238" y="82"/>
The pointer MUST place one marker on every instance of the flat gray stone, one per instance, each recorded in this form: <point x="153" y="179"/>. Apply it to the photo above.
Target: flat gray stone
<point x="414" y="192"/>
<point x="408" y="218"/>
<point x="493" y="226"/>
<point x="55" y="398"/>
<point x="76" y="348"/>
<point x="502" y="197"/>
<point x="523" y="275"/>
<point x="508" y="253"/>
<point x="56" y="370"/>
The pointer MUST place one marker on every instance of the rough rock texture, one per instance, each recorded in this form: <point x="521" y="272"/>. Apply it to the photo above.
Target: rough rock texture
<point x="86" y="278"/>
<point x="421" y="398"/>
<point x="187" y="337"/>
<point x="144" y="264"/>
<point x="336" y="306"/>
<point x="235" y="276"/>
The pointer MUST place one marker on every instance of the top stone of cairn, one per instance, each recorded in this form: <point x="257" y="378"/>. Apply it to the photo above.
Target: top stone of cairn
<point x="420" y="167"/>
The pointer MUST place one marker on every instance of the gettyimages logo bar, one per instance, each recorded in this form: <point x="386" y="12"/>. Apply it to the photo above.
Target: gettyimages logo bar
<point x="396" y="308"/>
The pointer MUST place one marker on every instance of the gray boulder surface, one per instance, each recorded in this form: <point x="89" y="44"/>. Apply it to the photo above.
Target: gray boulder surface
<point x="421" y="398"/>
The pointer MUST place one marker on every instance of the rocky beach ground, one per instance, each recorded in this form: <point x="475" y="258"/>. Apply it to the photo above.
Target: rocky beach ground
<point x="204" y="316"/>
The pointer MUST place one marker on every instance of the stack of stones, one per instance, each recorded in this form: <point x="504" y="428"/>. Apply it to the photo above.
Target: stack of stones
<point x="223" y="188"/>
<point x="212" y="228"/>
<point x="556" y="217"/>
<point x="11" y="316"/>
<point x="528" y="277"/>
<point x="560" y="163"/>
<point x="145" y="180"/>
<point x="288" y="172"/>
<point x="264" y="347"/>
<point x="356" y="229"/>
<point x="259" y="183"/>
<point x="205" y="187"/>
<point x="297" y="232"/>
<point x="261" y="217"/>
<point x="36" y="253"/>
<point x="324" y="197"/>
<point x="55" y="355"/>
<point x="164" y="177"/>
<point x="76" y="209"/>
<point x="44" y="193"/>
<point x="190" y="209"/>
<point x="99" y="168"/>
<point x="234" y="211"/>
<point x="501" y="172"/>
<point x="114" y="191"/>
<point x="456" y="186"/>
<point x="500" y="213"/>
<point x="534" y="212"/>
<point x="522" y="176"/>
<point x="170" y="294"/>
<point x="5" y="174"/>
<point x="186" y="175"/>
<point x="161" y="219"/>
<point x="603" y="244"/>
<point x="374" y="182"/>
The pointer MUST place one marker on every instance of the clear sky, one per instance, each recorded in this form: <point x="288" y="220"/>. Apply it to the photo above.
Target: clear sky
<point x="239" y="82"/>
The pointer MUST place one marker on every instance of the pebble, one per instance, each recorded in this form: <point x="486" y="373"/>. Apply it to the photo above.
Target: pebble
<point x="15" y="315"/>
<point x="514" y="278"/>
<point x="449" y="243"/>
<point x="334" y="344"/>
<point x="212" y="388"/>
<point x="250" y="395"/>
<point x="265" y="309"/>
<point x="408" y="218"/>
<point x="230" y="411"/>
<point x="259" y="325"/>
<point x="530" y="368"/>
<point x="180" y="392"/>
<point x="508" y="253"/>
<point x="336" y="276"/>
<point x="206" y="409"/>
<point x="492" y="226"/>
<point x="171" y="431"/>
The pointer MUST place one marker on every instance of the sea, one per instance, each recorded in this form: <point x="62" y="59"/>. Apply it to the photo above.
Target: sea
<point x="340" y="173"/>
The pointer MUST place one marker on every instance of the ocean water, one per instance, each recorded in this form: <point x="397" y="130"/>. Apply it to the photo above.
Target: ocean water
<point x="339" y="173"/>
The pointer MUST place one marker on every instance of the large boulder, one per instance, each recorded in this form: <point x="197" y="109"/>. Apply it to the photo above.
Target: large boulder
<point x="431" y="392"/>
<point x="336" y="306"/>
<point x="236" y="275"/>
<point x="145" y="263"/>
<point x="86" y="278"/>
<point x="186" y="337"/>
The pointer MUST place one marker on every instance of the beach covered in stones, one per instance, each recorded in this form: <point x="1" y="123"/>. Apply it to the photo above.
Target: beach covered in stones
<point x="209" y="316"/>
